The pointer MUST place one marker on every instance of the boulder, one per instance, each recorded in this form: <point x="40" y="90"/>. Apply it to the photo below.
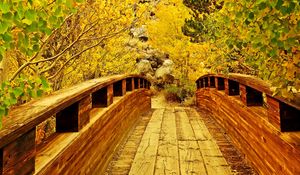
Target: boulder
<point x="144" y="67"/>
<point x="165" y="69"/>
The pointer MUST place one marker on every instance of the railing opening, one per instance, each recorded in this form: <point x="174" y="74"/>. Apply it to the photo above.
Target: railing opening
<point x="212" y="83"/>
<point x="250" y="96"/>
<point x="233" y="88"/>
<point x="206" y="82"/>
<point x="67" y="119"/>
<point x="99" y="98"/>
<point x="129" y="84"/>
<point x="220" y="83"/>
<point x="290" y="118"/>
<point x="136" y="83"/>
<point x="118" y="89"/>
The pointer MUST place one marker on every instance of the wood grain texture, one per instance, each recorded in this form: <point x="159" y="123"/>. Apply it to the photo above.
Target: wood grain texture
<point x="269" y="150"/>
<point x="18" y="156"/>
<point x="253" y="82"/>
<point x="167" y="159"/>
<point x="27" y="116"/>
<point x="124" y="157"/>
<point x="90" y="150"/>
<point x="144" y="161"/>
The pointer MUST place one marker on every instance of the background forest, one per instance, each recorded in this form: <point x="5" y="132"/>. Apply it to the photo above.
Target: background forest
<point x="47" y="45"/>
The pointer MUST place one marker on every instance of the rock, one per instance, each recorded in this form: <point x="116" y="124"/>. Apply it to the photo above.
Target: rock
<point x="165" y="71"/>
<point x="144" y="67"/>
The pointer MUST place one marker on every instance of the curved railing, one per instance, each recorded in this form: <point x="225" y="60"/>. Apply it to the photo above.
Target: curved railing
<point x="79" y="111"/>
<point x="265" y="128"/>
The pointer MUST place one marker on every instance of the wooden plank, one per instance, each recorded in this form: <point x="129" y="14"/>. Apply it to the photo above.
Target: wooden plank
<point x="253" y="134"/>
<point x="18" y="157"/>
<point x="123" y="158"/>
<point x="213" y="158"/>
<point x="85" y="106"/>
<point x="167" y="158"/>
<point x="123" y="87"/>
<point x="144" y="161"/>
<point x="110" y="94"/>
<point x="90" y="150"/>
<point x="184" y="128"/>
<point x="191" y="161"/>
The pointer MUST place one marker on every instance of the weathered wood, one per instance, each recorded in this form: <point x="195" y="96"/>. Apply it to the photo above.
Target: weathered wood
<point x="144" y="161"/>
<point x="167" y="159"/>
<point x="124" y="89"/>
<point x="18" y="157"/>
<point x="133" y="83"/>
<point x="273" y="112"/>
<point x="184" y="128"/>
<point x="110" y="94"/>
<point x="191" y="161"/>
<point x="270" y="151"/>
<point x="89" y="150"/>
<point x="255" y="83"/>
<point x="123" y="158"/>
<point x="25" y="117"/>
<point x="85" y="106"/>
<point x="214" y="161"/>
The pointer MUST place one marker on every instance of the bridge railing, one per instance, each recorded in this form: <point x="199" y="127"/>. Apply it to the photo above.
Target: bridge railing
<point x="72" y="109"/>
<point x="264" y="127"/>
<point x="282" y="114"/>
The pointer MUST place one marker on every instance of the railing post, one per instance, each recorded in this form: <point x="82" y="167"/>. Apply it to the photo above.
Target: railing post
<point x="85" y="106"/>
<point x="139" y="83"/>
<point x="18" y="157"/>
<point x="132" y="83"/>
<point x="123" y="87"/>
<point x="110" y="94"/>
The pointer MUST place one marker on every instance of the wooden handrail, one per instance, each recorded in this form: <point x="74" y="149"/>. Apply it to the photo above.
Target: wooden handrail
<point x="25" y="117"/>
<point x="265" y="128"/>
<point x="19" y="125"/>
<point x="255" y="83"/>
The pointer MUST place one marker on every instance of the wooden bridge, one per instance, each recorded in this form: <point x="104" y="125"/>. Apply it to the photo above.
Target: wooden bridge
<point x="107" y="126"/>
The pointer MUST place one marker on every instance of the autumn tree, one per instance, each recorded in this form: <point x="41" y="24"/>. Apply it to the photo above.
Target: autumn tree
<point x="42" y="41"/>
<point x="259" y="38"/>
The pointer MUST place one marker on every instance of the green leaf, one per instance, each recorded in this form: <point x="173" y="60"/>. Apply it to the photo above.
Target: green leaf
<point x="251" y="15"/>
<point x="69" y="3"/>
<point x="262" y="6"/>
<point x="7" y="37"/>
<point x="18" y="92"/>
<point x="39" y="92"/>
<point x="279" y="4"/>
<point x="13" y="101"/>
<point x="44" y="82"/>
<point x="5" y="7"/>
<point x="3" y="27"/>
<point x="31" y="15"/>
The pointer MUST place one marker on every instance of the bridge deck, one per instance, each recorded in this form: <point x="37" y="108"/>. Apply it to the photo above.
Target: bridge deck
<point x="170" y="140"/>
